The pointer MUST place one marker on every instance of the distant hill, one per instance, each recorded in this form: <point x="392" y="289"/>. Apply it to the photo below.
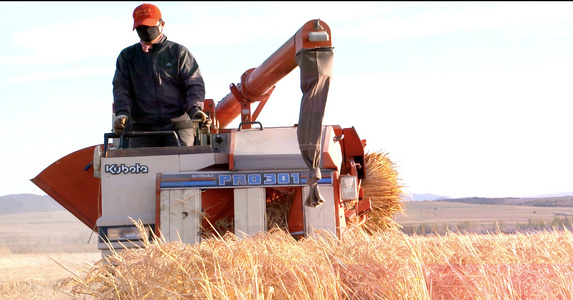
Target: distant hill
<point x="556" y="201"/>
<point x="427" y="197"/>
<point x="553" y="195"/>
<point x="23" y="203"/>
<point x="530" y="199"/>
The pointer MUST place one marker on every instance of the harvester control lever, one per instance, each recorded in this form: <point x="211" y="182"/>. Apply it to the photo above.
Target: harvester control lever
<point x="250" y="122"/>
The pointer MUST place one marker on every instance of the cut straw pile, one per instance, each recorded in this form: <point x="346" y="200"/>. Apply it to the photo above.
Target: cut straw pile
<point x="384" y="265"/>
<point x="382" y="185"/>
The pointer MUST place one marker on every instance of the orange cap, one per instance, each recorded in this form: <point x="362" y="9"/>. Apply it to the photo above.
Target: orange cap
<point x="146" y="14"/>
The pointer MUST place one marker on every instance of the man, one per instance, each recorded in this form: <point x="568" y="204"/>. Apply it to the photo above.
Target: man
<point x="157" y="85"/>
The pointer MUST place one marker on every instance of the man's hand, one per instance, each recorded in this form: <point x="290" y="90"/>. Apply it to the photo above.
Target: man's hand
<point x="119" y="124"/>
<point x="205" y="120"/>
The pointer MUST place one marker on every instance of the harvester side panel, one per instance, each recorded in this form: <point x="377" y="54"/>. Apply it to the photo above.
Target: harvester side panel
<point x="181" y="217"/>
<point x="250" y="211"/>
<point x="278" y="148"/>
<point x="322" y="217"/>
<point x="128" y="186"/>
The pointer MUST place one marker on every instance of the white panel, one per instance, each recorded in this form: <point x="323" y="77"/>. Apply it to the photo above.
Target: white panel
<point x="132" y="193"/>
<point x="333" y="148"/>
<point x="271" y="148"/>
<point x="250" y="211"/>
<point x="175" y="215"/>
<point x="192" y="216"/>
<point x="277" y="148"/>
<point x="198" y="161"/>
<point x="323" y="216"/>
<point x="181" y="215"/>
<point x="267" y="141"/>
<point x="164" y="206"/>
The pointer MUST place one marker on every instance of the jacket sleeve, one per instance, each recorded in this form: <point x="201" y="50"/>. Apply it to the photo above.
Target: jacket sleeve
<point x="192" y="81"/>
<point x="122" y="96"/>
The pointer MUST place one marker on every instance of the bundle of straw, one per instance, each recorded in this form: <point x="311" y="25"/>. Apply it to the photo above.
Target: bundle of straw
<point x="382" y="185"/>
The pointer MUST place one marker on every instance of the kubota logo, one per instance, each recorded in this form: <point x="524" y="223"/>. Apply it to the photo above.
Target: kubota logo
<point x="116" y="169"/>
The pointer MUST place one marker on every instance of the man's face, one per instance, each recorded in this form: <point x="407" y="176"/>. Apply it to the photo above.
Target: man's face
<point x="148" y="34"/>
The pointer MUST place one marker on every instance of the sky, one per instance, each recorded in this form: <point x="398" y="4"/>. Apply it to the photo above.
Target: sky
<point x="468" y="99"/>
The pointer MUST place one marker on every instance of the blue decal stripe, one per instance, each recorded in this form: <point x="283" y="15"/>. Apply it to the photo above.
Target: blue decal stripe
<point x="176" y="184"/>
<point x="240" y="179"/>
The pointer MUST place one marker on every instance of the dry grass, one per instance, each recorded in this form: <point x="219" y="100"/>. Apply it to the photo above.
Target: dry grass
<point x="384" y="265"/>
<point x="29" y="244"/>
<point x="34" y="275"/>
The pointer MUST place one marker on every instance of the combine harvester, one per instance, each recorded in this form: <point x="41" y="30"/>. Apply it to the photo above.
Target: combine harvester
<point x="231" y="177"/>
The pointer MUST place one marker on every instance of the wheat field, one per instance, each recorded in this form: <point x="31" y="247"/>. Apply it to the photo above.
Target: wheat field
<point x="385" y="265"/>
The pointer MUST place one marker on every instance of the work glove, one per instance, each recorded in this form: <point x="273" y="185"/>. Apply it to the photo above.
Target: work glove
<point x="119" y="124"/>
<point x="205" y="120"/>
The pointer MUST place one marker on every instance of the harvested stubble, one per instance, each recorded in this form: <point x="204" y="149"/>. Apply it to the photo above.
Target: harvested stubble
<point x="383" y="265"/>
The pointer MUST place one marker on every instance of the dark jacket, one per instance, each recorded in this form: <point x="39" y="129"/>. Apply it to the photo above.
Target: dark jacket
<point x="154" y="87"/>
